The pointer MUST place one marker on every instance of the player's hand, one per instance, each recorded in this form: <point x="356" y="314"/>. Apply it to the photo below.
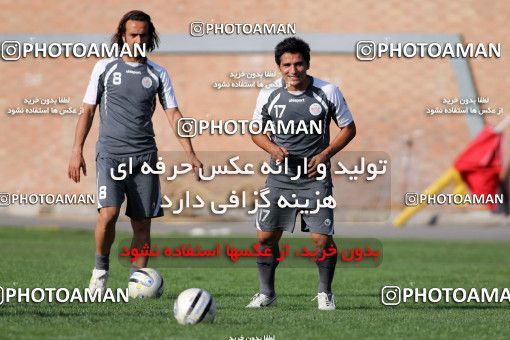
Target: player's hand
<point x="320" y="158"/>
<point x="196" y="164"/>
<point x="278" y="153"/>
<point x="76" y="163"/>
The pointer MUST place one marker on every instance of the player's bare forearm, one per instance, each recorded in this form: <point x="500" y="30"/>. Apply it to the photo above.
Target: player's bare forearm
<point x="83" y="127"/>
<point x="263" y="142"/>
<point x="173" y="114"/>
<point x="341" y="140"/>
<point x="77" y="162"/>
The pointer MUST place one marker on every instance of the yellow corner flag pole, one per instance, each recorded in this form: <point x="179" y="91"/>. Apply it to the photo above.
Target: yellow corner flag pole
<point x="448" y="177"/>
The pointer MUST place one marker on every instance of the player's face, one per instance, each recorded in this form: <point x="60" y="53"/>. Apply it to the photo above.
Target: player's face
<point x="137" y="32"/>
<point x="293" y="68"/>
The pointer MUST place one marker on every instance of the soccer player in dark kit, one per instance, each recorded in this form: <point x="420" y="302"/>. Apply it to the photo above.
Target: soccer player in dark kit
<point x="125" y="89"/>
<point x="298" y="97"/>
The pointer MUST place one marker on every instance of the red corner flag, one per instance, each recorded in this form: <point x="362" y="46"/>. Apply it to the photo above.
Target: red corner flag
<point x="481" y="163"/>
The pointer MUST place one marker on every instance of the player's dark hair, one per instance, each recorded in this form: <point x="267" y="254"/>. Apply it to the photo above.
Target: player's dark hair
<point x="292" y="45"/>
<point x="137" y="16"/>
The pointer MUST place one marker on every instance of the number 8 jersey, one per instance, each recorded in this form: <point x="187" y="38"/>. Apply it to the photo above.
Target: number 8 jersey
<point x="126" y="94"/>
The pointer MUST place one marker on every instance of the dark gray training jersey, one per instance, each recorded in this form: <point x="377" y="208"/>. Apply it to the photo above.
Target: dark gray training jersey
<point x="126" y="94"/>
<point x="320" y="103"/>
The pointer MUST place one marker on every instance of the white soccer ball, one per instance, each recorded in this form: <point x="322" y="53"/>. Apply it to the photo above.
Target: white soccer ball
<point x="145" y="283"/>
<point x="194" y="305"/>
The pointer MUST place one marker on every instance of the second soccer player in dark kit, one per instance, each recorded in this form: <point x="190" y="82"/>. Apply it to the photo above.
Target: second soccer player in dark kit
<point x="295" y="97"/>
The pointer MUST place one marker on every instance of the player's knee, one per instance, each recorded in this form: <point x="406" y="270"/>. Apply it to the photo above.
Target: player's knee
<point x="108" y="217"/>
<point x="321" y="241"/>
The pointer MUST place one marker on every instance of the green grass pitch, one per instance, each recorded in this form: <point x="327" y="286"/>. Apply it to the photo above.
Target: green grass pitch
<point x="64" y="258"/>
